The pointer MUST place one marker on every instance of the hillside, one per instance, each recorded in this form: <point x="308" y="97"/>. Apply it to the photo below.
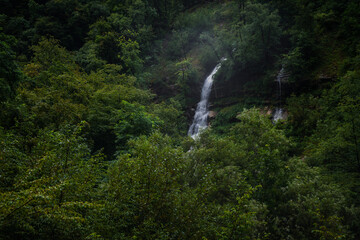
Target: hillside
<point x="97" y="97"/>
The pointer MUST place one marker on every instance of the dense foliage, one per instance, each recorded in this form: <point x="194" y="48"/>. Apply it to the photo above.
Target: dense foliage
<point x="96" y="97"/>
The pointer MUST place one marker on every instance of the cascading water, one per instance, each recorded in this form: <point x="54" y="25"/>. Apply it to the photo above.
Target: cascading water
<point x="202" y="111"/>
<point x="278" y="115"/>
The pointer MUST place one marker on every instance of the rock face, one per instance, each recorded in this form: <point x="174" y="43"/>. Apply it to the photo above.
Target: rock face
<point x="212" y="114"/>
<point x="266" y="111"/>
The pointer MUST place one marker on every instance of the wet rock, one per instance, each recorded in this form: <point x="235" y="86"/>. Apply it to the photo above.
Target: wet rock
<point x="212" y="114"/>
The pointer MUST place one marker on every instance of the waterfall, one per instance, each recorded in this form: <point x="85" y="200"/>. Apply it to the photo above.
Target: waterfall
<point x="202" y="112"/>
<point x="278" y="115"/>
<point x="278" y="80"/>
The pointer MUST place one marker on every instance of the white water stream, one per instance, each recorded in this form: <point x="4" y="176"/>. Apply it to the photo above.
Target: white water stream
<point x="202" y="109"/>
<point x="279" y="115"/>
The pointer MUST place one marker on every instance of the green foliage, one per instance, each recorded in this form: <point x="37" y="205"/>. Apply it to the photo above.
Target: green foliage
<point x="226" y="118"/>
<point x="301" y="60"/>
<point x="53" y="190"/>
<point x="350" y="26"/>
<point x="158" y="190"/>
<point x="55" y="92"/>
<point x="10" y="74"/>
<point x="49" y="56"/>
<point x="110" y="89"/>
<point x="74" y="95"/>
<point x="179" y="45"/>
<point x="87" y="57"/>
<point x="123" y="51"/>
<point x="10" y="159"/>
<point x="132" y="122"/>
<point x="264" y="149"/>
<point x="304" y="114"/>
<point x="185" y="73"/>
<point x="144" y="189"/>
<point x="254" y="36"/>
<point x="335" y="142"/>
<point x="197" y="21"/>
<point x="129" y="54"/>
<point x="240" y="221"/>
<point x="315" y="204"/>
<point x="262" y="28"/>
<point x="173" y="120"/>
<point x="207" y="57"/>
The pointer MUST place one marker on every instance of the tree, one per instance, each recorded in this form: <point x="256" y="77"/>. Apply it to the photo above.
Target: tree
<point x="10" y="74"/>
<point x="186" y="74"/>
<point x="258" y="34"/>
<point x="55" y="92"/>
<point x="144" y="189"/>
<point x="133" y="121"/>
<point x="116" y="42"/>
<point x="172" y="117"/>
<point x="54" y="189"/>
<point x="129" y="55"/>
<point x="312" y="206"/>
<point x="265" y="150"/>
<point x="336" y="141"/>
<point x="110" y="89"/>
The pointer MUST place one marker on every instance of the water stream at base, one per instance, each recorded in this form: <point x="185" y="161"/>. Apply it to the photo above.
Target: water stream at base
<point x="202" y="109"/>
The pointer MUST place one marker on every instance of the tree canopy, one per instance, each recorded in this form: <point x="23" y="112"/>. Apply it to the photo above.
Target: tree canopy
<point x="96" y="97"/>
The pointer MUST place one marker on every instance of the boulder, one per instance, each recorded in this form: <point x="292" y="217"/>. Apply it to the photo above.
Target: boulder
<point x="212" y="114"/>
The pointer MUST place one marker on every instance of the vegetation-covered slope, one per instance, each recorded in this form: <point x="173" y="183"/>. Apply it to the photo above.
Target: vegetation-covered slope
<point x="96" y="97"/>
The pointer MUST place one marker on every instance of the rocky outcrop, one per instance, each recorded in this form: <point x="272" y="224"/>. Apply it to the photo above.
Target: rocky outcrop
<point x="212" y="114"/>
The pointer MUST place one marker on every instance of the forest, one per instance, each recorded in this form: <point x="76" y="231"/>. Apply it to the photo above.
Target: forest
<point x="97" y="97"/>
